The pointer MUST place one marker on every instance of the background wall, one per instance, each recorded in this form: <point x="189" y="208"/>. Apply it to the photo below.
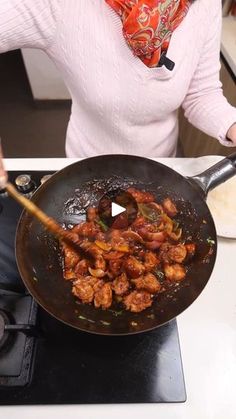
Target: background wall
<point x="28" y="129"/>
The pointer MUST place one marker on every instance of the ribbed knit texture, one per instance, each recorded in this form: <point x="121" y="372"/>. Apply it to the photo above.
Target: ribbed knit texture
<point x="118" y="104"/>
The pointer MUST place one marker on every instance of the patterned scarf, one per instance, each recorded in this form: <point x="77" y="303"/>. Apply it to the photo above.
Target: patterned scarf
<point x="149" y="24"/>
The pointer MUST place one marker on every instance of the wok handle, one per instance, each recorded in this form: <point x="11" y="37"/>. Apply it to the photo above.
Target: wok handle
<point x="215" y="175"/>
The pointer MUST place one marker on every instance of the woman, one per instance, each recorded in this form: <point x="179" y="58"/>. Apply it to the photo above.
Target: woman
<point x="129" y="65"/>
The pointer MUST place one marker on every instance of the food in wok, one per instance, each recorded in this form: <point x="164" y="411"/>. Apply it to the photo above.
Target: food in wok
<point x="133" y="264"/>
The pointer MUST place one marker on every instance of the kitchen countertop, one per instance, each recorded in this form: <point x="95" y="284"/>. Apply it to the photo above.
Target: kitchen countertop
<point x="207" y="333"/>
<point x="228" y="41"/>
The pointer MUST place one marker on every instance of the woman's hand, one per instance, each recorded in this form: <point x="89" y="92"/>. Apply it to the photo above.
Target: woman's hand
<point x="3" y="174"/>
<point x="231" y="134"/>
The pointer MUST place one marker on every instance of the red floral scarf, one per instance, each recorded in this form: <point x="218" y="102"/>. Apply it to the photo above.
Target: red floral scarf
<point x="149" y="24"/>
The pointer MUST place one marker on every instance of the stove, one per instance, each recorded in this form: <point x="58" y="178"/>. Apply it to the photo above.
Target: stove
<point x="43" y="361"/>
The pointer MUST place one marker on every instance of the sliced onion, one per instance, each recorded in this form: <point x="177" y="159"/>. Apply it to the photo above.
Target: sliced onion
<point x="113" y="255"/>
<point x="157" y="207"/>
<point x="151" y="213"/>
<point x="168" y="223"/>
<point x="121" y="248"/>
<point x="103" y="245"/>
<point x="98" y="273"/>
<point x="132" y="235"/>
<point x="176" y="235"/>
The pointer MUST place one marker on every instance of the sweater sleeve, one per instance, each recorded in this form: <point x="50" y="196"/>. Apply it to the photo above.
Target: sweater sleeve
<point x="27" y="23"/>
<point x="204" y="105"/>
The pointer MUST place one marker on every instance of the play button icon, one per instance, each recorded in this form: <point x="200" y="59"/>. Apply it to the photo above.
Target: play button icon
<point x="117" y="209"/>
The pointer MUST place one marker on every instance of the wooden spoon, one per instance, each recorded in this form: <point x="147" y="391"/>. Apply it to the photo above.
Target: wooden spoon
<point x="50" y="224"/>
<point x="3" y="173"/>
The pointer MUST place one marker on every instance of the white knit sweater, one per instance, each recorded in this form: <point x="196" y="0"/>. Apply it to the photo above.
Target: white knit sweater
<point x="118" y="104"/>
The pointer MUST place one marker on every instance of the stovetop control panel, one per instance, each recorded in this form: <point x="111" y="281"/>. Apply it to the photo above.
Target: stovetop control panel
<point x="26" y="183"/>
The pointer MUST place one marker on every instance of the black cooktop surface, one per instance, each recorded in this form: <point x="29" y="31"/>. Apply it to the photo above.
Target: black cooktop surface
<point x="51" y="363"/>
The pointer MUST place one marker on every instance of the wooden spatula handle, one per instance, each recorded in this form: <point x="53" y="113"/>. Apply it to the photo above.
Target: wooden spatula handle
<point x="50" y="224"/>
<point x="3" y="173"/>
<point x="47" y="221"/>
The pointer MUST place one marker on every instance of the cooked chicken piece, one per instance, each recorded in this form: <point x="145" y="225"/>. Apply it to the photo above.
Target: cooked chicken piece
<point x="150" y="261"/>
<point x="139" y="222"/>
<point x="152" y="236"/>
<point x="88" y="229"/>
<point x="147" y="282"/>
<point x="125" y="259"/>
<point x="141" y="196"/>
<point x="169" y="207"/>
<point x="165" y="247"/>
<point x="133" y="267"/>
<point x="174" y="272"/>
<point x="170" y="253"/>
<point x="121" y="284"/>
<point x="100" y="236"/>
<point x="115" y="236"/>
<point x="69" y="274"/>
<point x="118" y="242"/>
<point x="82" y="267"/>
<point x="138" y="251"/>
<point x="98" y="284"/>
<point x="115" y="266"/>
<point x="83" y="290"/>
<point x="71" y="258"/>
<point x="100" y="263"/>
<point x="91" y="280"/>
<point x="103" y="296"/>
<point x="137" y="301"/>
<point x="91" y="214"/>
<point x="177" y="253"/>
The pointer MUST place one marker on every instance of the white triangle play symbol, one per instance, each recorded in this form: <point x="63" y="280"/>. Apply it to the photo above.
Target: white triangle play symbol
<point x="116" y="209"/>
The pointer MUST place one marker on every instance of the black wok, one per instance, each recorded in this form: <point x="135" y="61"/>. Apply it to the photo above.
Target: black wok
<point x="64" y="197"/>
